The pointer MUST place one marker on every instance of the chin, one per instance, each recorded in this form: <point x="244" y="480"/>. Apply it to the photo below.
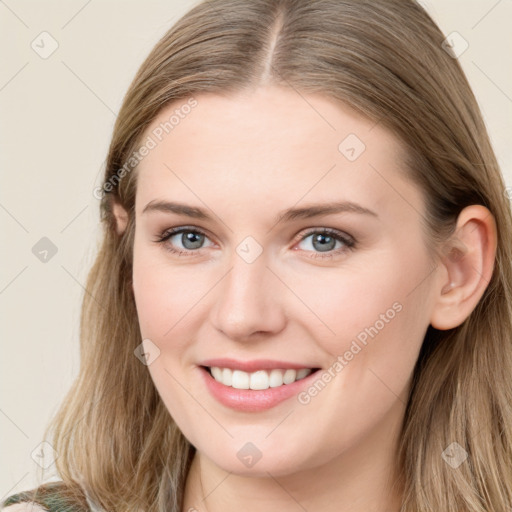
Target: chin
<point x="249" y="461"/>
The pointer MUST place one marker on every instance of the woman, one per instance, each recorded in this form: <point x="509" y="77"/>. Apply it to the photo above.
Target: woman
<point x="304" y="294"/>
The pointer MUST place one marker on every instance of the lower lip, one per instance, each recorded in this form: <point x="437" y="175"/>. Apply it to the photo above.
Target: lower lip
<point x="251" y="400"/>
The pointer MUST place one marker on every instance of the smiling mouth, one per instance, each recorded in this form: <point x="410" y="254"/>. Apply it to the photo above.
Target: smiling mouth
<point x="258" y="380"/>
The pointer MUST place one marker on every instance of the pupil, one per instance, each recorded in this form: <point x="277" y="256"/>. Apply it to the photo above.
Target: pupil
<point x="322" y="240"/>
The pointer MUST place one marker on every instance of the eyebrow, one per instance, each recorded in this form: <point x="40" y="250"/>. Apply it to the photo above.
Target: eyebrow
<point x="307" y="212"/>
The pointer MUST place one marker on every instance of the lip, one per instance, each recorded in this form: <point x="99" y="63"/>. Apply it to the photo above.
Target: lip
<point x="250" y="400"/>
<point x="254" y="365"/>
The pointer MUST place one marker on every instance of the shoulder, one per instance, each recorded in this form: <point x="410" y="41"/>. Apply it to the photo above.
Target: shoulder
<point x="49" y="497"/>
<point x="24" y="506"/>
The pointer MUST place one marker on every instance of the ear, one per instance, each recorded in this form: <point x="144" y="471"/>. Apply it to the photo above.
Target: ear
<point x="467" y="267"/>
<point x="120" y="216"/>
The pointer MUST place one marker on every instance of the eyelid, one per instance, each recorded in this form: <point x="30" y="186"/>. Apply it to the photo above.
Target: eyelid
<point x="325" y="230"/>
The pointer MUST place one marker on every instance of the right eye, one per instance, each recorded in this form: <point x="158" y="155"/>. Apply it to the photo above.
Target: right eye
<point x="191" y="239"/>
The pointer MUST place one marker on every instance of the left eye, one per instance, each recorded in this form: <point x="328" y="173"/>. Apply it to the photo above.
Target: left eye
<point x="325" y="240"/>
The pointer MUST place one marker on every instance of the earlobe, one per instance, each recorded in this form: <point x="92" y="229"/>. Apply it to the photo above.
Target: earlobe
<point x="120" y="216"/>
<point x="468" y="267"/>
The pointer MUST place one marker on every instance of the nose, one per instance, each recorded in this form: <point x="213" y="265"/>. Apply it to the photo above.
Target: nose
<point x="249" y="301"/>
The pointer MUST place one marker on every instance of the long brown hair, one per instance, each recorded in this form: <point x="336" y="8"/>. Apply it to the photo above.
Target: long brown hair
<point x="385" y="59"/>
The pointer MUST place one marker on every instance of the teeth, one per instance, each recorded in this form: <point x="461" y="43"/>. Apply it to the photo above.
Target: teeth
<point x="303" y="372"/>
<point x="289" y="376"/>
<point x="276" y="378"/>
<point x="227" y="376"/>
<point x="260" y="379"/>
<point x="240" y="380"/>
<point x="217" y="373"/>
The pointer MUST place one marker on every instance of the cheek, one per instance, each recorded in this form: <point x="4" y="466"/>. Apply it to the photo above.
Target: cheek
<point x="340" y="303"/>
<point x="165" y="294"/>
<point x="371" y="319"/>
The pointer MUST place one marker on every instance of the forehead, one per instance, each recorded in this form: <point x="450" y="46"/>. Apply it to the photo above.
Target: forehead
<point x="271" y="143"/>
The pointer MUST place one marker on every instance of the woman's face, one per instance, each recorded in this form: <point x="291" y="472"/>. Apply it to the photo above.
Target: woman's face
<point x="256" y="282"/>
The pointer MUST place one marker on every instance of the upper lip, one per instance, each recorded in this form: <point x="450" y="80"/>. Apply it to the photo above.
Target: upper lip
<point x="254" y="365"/>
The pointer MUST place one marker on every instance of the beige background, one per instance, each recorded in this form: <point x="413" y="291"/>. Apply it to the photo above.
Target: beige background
<point x="56" y="120"/>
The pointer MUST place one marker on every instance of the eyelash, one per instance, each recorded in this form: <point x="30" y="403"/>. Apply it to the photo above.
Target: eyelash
<point x="349" y="242"/>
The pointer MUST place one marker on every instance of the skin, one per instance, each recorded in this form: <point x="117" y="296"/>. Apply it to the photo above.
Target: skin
<point x="244" y="158"/>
